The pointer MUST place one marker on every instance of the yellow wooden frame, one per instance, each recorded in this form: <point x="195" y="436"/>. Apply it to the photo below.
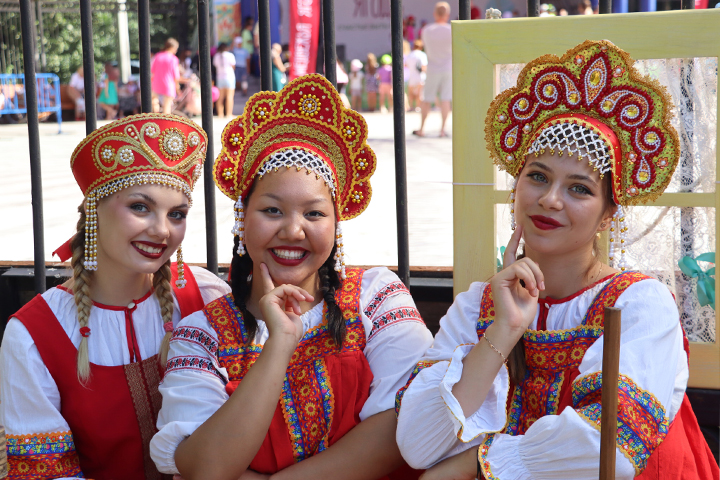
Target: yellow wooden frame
<point x="478" y="46"/>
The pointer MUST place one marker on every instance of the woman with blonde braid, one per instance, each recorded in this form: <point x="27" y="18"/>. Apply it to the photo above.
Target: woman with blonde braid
<point x="82" y="362"/>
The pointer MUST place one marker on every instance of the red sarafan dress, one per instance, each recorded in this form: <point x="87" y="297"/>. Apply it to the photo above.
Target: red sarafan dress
<point x="327" y="390"/>
<point x="58" y="427"/>
<point x="548" y="426"/>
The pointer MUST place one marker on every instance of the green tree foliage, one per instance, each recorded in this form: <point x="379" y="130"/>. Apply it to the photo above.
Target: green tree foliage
<point x="63" y="42"/>
<point x="62" y="37"/>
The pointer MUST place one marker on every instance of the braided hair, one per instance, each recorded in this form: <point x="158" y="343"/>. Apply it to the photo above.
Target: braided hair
<point x="163" y="292"/>
<point x="241" y="284"/>
<point x="81" y="290"/>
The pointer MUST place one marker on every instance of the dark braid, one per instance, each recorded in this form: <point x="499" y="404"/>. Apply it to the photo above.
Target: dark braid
<point x="329" y="282"/>
<point x="242" y="267"/>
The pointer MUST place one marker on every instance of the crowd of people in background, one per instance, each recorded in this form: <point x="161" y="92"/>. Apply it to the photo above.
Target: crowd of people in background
<point x="364" y="85"/>
<point x="175" y="81"/>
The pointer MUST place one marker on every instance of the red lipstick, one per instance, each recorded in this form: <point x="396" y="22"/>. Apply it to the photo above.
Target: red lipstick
<point x="288" y="262"/>
<point x="545" y="223"/>
<point x="154" y="256"/>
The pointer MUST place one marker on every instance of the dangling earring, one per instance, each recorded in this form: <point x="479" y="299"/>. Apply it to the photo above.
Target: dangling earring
<point x="180" y="282"/>
<point x="339" y="252"/>
<point x="90" y="262"/>
<point x="239" y="227"/>
<point x="512" y="205"/>
<point x="618" y="234"/>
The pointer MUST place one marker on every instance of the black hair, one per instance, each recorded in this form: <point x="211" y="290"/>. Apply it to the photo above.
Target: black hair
<point x="241" y="284"/>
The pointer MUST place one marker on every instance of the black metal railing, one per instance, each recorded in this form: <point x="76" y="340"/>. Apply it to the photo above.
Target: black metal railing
<point x="34" y="140"/>
<point x="204" y="31"/>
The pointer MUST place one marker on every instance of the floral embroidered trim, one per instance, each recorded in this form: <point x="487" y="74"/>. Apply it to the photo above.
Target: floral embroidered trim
<point x="482" y="457"/>
<point x="307" y="400"/>
<point x="347" y="297"/>
<point x="197" y="336"/>
<point x="487" y="311"/>
<point x="551" y="354"/>
<point x="328" y="398"/>
<point x="192" y="362"/>
<point x="292" y="421"/>
<point x="42" y="455"/>
<point x="642" y="420"/>
<point x="609" y="295"/>
<point x="418" y="368"/>
<point x="143" y="379"/>
<point x="537" y="396"/>
<point x="394" y="316"/>
<point x="390" y="290"/>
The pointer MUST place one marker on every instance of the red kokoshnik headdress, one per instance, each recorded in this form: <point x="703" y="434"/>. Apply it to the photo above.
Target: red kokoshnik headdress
<point x="305" y="125"/>
<point x="140" y="149"/>
<point x="594" y="104"/>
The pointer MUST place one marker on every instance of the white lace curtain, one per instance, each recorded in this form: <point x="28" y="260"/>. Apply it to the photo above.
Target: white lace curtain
<point x="660" y="236"/>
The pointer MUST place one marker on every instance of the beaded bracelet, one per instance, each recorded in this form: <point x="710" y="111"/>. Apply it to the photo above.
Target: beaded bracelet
<point x="493" y="347"/>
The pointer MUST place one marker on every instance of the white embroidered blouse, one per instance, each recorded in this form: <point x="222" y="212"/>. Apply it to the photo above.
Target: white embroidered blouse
<point x="394" y="346"/>
<point x="432" y="426"/>
<point x="29" y="397"/>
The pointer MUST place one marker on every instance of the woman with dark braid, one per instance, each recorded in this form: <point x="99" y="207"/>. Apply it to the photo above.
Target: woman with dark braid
<point x="82" y="362"/>
<point x="294" y="374"/>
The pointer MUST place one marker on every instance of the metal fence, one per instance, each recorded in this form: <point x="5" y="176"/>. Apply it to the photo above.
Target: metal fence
<point x="12" y="95"/>
<point x="204" y="29"/>
<point x="56" y="30"/>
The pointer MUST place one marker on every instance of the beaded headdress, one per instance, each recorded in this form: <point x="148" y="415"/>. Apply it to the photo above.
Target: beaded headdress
<point x="140" y="149"/>
<point x="305" y="125"/>
<point x="593" y="104"/>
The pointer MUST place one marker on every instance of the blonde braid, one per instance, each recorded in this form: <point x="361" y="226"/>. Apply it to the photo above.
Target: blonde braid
<point x="81" y="288"/>
<point x="163" y="291"/>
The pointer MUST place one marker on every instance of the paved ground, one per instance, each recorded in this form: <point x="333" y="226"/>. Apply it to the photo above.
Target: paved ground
<point x="370" y="239"/>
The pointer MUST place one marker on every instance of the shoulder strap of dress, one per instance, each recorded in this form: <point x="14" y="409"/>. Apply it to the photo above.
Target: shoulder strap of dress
<point x="189" y="298"/>
<point x="55" y="348"/>
<point x="347" y="297"/>
<point x="487" y="311"/>
<point x="595" y="315"/>
<point x="226" y="319"/>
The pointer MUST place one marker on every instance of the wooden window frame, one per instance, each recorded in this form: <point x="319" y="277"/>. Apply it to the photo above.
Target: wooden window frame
<point x="479" y="46"/>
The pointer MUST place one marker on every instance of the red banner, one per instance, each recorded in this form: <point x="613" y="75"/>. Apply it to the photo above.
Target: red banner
<point x="304" y="32"/>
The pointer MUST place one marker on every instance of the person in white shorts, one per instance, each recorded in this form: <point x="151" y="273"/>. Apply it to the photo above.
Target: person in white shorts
<point x="415" y="65"/>
<point x="437" y="38"/>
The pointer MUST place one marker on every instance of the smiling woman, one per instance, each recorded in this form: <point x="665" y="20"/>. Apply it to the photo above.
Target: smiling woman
<point x="91" y="352"/>
<point x="297" y="370"/>
<point x="511" y="386"/>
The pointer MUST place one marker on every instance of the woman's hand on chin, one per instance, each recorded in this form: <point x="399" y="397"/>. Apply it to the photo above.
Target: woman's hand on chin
<point x="462" y="466"/>
<point x="515" y="303"/>
<point x="280" y="308"/>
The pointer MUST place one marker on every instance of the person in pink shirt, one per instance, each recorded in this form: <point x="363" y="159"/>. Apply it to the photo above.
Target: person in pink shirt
<point x="165" y="69"/>
<point x="385" y="75"/>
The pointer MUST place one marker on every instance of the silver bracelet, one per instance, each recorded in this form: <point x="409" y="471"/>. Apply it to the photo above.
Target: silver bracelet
<point x="493" y="347"/>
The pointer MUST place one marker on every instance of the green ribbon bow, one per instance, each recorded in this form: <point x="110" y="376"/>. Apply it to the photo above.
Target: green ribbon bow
<point x="705" y="279"/>
<point x="499" y="259"/>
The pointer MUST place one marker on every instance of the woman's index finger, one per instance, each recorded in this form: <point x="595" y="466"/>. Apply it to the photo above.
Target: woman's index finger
<point x="510" y="254"/>
<point x="268" y="285"/>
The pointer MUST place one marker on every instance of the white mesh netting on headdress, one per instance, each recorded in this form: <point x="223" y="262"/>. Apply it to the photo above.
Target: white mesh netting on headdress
<point x="575" y="140"/>
<point x="659" y="237"/>
<point x="299" y="158"/>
